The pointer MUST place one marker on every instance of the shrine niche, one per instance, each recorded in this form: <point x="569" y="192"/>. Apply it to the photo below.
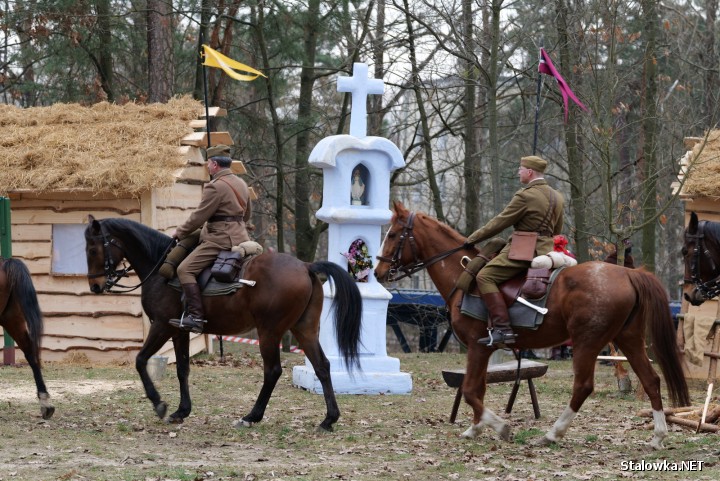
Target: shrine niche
<point x="359" y="185"/>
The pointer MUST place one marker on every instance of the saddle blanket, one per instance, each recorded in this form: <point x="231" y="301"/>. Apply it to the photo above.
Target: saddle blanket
<point x="520" y="314"/>
<point x="212" y="288"/>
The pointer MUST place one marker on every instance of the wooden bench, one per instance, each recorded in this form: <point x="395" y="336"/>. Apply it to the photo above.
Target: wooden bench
<point x="505" y="372"/>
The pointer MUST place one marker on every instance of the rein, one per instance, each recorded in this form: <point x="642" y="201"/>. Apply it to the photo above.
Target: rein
<point x="113" y="276"/>
<point x="417" y="264"/>
<point x="710" y="288"/>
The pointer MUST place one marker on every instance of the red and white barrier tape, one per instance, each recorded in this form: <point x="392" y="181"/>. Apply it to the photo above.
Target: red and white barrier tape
<point x="255" y="342"/>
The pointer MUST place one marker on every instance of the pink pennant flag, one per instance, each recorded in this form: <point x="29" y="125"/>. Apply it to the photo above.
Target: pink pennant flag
<point x="546" y="66"/>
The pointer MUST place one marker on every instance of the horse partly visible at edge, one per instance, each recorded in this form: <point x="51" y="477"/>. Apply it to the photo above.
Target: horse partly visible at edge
<point x="20" y="316"/>
<point x="701" y="254"/>
<point x="592" y="304"/>
<point x="288" y="295"/>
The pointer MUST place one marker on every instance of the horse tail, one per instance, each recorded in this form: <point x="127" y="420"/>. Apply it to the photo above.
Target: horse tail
<point x="654" y="307"/>
<point x="348" y="310"/>
<point x="22" y="290"/>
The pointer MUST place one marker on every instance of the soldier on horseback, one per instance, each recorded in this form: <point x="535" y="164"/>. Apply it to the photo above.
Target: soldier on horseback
<point x="222" y="214"/>
<point x="537" y="210"/>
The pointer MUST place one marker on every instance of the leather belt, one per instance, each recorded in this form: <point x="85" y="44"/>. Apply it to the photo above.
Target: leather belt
<point x="226" y="218"/>
<point x="546" y="233"/>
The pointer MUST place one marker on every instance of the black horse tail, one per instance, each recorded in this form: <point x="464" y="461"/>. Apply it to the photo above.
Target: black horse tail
<point x="655" y="308"/>
<point x="348" y="310"/>
<point x="22" y="290"/>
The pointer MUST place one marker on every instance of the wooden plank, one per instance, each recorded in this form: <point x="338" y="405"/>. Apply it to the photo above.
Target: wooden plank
<point x="199" y="139"/>
<point x="65" y="194"/>
<point x="110" y="327"/>
<point x="65" y="344"/>
<point x="238" y="168"/>
<point x="77" y="217"/>
<point x="192" y="154"/>
<point x="71" y="285"/>
<point x="181" y="195"/>
<point x="24" y="232"/>
<point x="192" y="173"/>
<point x="253" y="194"/>
<point x="215" y="112"/>
<point x="90" y="304"/>
<point x="198" y="124"/>
<point x="171" y="218"/>
<point x="121" y="206"/>
<point x="148" y="204"/>
<point x="690" y="142"/>
<point x="32" y="250"/>
<point x="126" y="356"/>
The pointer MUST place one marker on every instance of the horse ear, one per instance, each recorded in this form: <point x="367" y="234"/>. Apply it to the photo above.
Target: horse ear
<point x="398" y="207"/>
<point x="93" y="223"/>
<point x="692" y="226"/>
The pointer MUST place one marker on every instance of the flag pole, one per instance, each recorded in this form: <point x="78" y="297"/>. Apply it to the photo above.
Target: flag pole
<point x="537" y="99"/>
<point x="205" y="89"/>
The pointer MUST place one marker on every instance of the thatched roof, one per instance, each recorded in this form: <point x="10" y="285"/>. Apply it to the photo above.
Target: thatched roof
<point x="701" y="166"/>
<point x="105" y="147"/>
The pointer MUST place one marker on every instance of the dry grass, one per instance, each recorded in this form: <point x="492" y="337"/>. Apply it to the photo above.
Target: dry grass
<point x="103" y="147"/>
<point x="704" y="174"/>
<point x="114" y="434"/>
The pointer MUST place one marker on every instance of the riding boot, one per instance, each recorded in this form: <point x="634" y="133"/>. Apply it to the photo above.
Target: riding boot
<point x="501" y="332"/>
<point x="193" y="318"/>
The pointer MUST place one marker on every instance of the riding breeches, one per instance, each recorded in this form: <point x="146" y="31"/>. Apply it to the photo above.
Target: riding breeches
<point x="497" y="271"/>
<point x="200" y="258"/>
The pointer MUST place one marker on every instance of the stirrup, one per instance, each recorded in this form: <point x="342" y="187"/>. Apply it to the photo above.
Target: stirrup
<point x="500" y="338"/>
<point x="188" y="323"/>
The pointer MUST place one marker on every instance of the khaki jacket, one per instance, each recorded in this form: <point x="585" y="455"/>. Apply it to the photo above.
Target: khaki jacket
<point x="219" y="199"/>
<point x="525" y="212"/>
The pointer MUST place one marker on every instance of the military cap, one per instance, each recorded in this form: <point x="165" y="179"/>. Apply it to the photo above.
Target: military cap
<point x="218" y="151"/>
<point x="538" y="164"/>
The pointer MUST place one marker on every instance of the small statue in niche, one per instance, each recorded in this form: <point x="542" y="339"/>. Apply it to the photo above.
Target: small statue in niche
<point x="357" y="190"/>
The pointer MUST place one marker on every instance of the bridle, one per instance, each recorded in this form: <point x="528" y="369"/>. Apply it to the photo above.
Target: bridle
<point x="398" y="271"/>
<point x="111" y="274"/>
<point x="711" y="288"/>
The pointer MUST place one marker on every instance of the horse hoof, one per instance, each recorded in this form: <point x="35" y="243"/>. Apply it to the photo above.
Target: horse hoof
<point x="325" y="429"/>
<point x="543" y="442"/>
<point x="161" y="409"/>
<point x="47" y="411"/>
<point x="174" y="420"/>
<point x="243" y="424"/>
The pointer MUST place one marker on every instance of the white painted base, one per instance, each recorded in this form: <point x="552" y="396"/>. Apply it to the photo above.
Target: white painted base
<point x="366" y="382"/>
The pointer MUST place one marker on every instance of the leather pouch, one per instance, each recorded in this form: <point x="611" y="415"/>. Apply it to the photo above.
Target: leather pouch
<point x="536" y="283"/>
<point x="522" y="246"/>
<point x="226" y="266"/>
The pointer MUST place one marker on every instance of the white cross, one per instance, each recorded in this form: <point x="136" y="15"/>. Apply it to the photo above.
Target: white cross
<point x="360" y="87"/>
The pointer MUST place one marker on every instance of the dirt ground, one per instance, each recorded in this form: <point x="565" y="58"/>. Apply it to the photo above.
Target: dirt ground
<point x="105" y="429"/>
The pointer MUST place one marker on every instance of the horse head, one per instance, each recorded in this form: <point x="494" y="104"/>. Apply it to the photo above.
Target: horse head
<point x="394" y="257"/>
<point x="701" y="255"/>
<point x="103" y="254"/>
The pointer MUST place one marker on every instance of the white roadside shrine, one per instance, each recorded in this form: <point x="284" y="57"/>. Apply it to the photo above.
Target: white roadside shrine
<point x="356" y="196"/>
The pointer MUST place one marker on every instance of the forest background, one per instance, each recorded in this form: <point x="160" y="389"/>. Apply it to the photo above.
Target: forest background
<point x="460" y="101"/>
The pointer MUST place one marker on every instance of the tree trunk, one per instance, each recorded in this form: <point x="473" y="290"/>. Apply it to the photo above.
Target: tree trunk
<point x="161" y="71"/>
<point x="305" y="239"/>
<point x="498" y="201"/>
<point x="471" y="165"/>
<point x="575" y="165"/>
<point x="649" y="207"/>
<point x="424" y="125"/>
<point x="105" y="63"/>
<point x="375" y="113"/>
<point x="710" y="57"/>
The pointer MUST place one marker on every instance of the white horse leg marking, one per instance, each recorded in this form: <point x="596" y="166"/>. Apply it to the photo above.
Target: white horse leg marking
<point x="660" y="430"/>
<point x="491" y="419"/>
<point x="561" y="425"/>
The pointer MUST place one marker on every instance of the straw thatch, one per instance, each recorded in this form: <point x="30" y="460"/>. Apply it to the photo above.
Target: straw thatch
<point x="703" y="175"/>
<point x="102" y="148"/>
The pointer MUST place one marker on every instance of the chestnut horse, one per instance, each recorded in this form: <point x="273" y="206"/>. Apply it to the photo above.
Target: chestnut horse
<point x="701" y="253"/>
<point x="592" y="304"/>
<point x="20" y="317"/>
<point x="288" y="296"/>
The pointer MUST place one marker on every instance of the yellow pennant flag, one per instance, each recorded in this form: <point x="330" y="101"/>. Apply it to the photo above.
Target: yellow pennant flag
<point x="213" y="58"/>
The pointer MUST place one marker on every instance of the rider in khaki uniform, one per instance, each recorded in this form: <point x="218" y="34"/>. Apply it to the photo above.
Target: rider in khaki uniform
<point x="223" y="211"/>
<point x="537" y="207"/>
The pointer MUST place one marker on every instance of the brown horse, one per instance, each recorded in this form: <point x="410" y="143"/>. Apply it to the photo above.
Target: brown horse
<point x="592" y="304"/>
<point x="288" y="296"/>
<point x="20" y="316"/>
<point x="701" y="253"/>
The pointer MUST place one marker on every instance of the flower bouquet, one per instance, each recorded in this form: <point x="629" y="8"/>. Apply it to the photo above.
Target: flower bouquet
<point x="359" y="261"/>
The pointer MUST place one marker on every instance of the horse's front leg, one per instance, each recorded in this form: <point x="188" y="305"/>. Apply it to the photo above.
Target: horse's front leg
<point x="157" y="336"/>
<point x="474" y="387"/>
<point x="181" y="344"/>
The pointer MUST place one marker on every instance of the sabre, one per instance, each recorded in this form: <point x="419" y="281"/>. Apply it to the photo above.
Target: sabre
<point x="246" y="282"/>
<point x="541" y="310"/>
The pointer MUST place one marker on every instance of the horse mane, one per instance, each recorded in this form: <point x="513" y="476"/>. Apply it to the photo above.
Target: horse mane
<point x="713" y="228"/>
<point x="442" y="227"/>
<point x="150" y="240"/>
